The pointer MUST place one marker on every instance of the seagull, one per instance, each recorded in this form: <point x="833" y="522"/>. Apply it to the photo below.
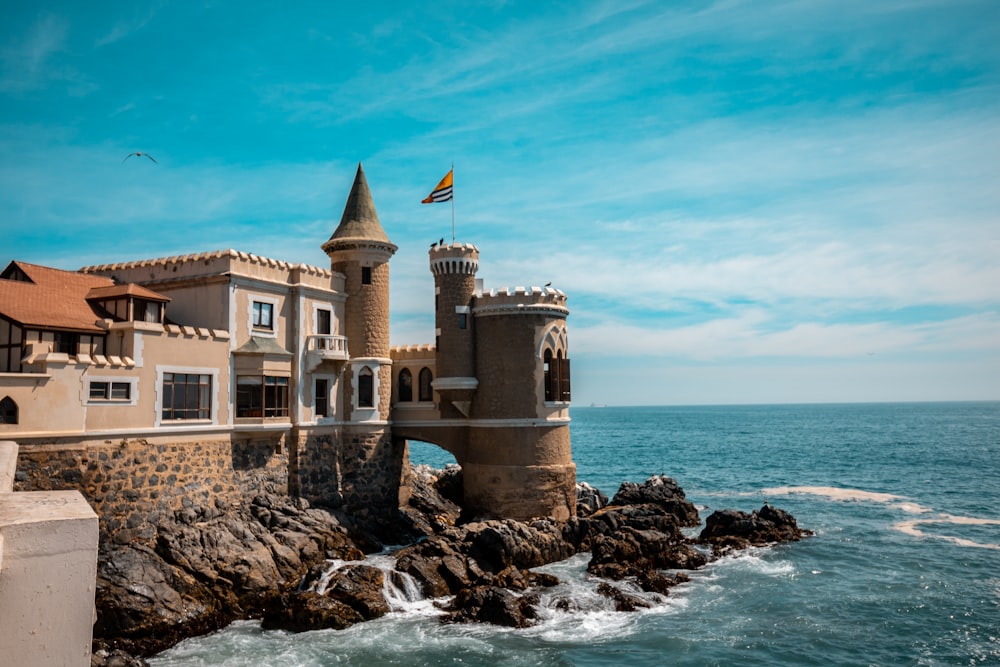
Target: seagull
<point x="441" y="242"/>
<point x="140" y="154"/>
<point x="434" y="245"/>
<point x="548" y="284"/>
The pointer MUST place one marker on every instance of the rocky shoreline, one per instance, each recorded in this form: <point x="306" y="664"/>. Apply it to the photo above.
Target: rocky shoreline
<point x="268" y="559"/>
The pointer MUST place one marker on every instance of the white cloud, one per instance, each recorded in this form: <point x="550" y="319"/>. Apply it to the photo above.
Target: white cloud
<point x="754" y="333"/>
<point x="26" y="60"/>
<point x="135" y="22"/>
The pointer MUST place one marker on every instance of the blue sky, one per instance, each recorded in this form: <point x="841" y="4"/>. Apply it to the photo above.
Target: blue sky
<point x="746" y="201"/>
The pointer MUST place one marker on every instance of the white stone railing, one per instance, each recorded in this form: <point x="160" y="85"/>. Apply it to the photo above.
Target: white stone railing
<point x="328" y="347"/>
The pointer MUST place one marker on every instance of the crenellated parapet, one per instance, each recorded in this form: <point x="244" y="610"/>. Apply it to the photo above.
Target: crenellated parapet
<point x="216" y="262"/>
<point x="522" y="300"/>
<point x="456" y="258"/>
<point x="404" y="353"/>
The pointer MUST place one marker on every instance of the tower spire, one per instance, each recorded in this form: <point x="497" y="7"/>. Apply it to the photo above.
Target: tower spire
<point x="360" y="220"/>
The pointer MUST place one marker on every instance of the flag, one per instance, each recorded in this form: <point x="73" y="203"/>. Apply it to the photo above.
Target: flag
<point x="443" y="191"/>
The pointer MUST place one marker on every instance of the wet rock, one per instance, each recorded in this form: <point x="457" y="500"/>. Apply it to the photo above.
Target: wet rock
<point x="732" y="529"/>
<point x="623" y="601"/>
<point x="450" y="484"/>
<point x="115" y="658"/>
<point x="588" y="499"/>
<point x="513" y="579"/>
<point x="145" y="604"/>
<point x="630" y="552"/>
<point x="301" y="611"/>
<point x="430" y="508"/>
<point x="439" y="566"/>
<point x="654" y="581"/>
<point x="201" y="569"/>
<point x="492" y="604"/>
<point x="360" y="587"/>
<point x="497" y="544"/>
<point x="662" y="491"/>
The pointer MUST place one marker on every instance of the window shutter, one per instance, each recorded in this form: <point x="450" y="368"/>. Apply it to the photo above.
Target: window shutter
<point x="564" y="392"/>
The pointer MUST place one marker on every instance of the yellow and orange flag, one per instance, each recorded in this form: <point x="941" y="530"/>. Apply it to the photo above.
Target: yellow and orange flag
<point x="443" y="192"/>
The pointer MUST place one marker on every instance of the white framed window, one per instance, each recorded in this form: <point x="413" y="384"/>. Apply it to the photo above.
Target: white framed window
<point x="112" y="391"/>
<point x="323" y="323"/>
<point x="321" y="398"/>
<point x="365" y="387"/>
<point x="261" y="396"/>
<point x="262" y="315"/>
<point x="186" y="394"/>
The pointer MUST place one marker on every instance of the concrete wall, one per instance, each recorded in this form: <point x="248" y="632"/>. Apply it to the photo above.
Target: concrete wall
<point x="48" y="570"/>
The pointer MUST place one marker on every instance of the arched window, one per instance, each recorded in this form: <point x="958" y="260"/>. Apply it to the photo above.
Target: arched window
<point x="404" y="388"/>
<point x="8" y="411"/>
<point x="426" y="392"/>
<point x="366" y="388"/>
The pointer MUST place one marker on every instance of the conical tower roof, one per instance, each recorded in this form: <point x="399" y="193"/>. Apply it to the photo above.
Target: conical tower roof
<point x="360" y="221"/>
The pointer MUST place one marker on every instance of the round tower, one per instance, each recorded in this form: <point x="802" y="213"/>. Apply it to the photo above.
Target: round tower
<point x="360" y="249"/>
<point x="454" y="267"/>
<point x="519" y="462"/>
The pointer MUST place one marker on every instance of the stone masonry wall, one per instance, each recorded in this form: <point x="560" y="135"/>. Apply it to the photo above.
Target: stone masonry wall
<point x="131" y="484"/>
<point x="362" y="475"/>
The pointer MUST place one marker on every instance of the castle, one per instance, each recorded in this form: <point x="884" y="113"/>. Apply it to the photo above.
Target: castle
<point x="147" y="384"/>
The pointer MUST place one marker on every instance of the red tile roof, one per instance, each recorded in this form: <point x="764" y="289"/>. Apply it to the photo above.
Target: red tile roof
<point x="129" y="289"/>
<point x="56" y="299"/>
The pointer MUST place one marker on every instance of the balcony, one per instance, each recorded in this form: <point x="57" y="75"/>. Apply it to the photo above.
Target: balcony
<point x="326" y="348"/>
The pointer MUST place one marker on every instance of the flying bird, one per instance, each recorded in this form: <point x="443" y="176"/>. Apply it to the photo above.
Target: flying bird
<point x="548" y="284"/>
<point x="140" y="154"/>
<point x="441" y="242"/>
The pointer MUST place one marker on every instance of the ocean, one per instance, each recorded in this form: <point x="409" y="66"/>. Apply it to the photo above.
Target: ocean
<point x="903" y="569"/>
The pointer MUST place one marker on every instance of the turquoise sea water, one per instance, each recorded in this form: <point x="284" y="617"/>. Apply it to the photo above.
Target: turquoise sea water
<point x="904" y="568"/>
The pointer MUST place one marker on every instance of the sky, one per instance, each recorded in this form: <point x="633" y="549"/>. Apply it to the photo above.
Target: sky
<point x="746" y="202"/>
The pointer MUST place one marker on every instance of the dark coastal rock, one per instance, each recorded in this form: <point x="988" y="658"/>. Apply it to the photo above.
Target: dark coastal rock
<point x="352" y="594"/>
<point x="732" y="529"/>
<point x="439" y="566"/>
<point x="431" y="509"/>
<point x="629" y="552"/>
<point x="492" y="604"/>
<point x="115" y="658"/>
<point x="513" y="579"/>
<point x="360" y="587"/>
<point x="497" y="544"/>
<point x="588" y="500"/>
<point x="207" y="566"/>
<point x="450" y="485"/>
<point x="653" y="581"/>
<point x="662" y="491"/>
<point x="623" y="601"/>
<point x="301" y="611"/>
<point x="145" y="604"/>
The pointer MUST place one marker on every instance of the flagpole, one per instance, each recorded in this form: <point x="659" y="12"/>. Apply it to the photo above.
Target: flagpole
<point x="453" y="203"/>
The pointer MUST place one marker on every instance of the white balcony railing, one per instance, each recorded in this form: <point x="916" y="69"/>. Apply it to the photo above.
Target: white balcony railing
<point x="327" y="347"/>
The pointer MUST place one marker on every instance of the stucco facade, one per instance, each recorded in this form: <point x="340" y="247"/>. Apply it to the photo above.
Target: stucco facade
<point x="285" y="374"/>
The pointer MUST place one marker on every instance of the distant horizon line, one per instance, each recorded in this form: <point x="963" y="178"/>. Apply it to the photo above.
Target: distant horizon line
<point x="595" y="406"/>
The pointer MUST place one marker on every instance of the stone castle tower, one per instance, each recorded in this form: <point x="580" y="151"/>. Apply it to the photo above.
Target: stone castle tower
<point x="501" y="390"/>
<point x="356" y="463"/>
<point x="360" y="250"/>
<point x="498" y="400"/>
